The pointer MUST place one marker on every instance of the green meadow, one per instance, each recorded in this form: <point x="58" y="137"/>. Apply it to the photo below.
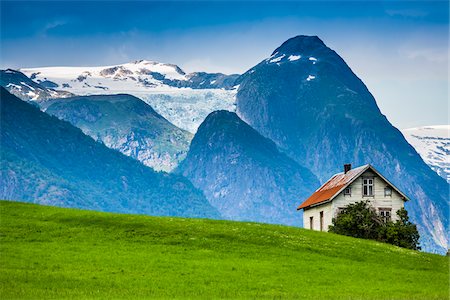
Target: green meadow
<point x="57" y="253"/>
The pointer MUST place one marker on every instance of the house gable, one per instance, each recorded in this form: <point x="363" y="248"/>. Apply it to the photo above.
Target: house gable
<point x="338" y="183"/>
<point x="379" y="198"/>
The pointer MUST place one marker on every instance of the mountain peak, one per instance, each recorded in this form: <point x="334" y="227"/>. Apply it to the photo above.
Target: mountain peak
<point x="300" y="44"/>
<point x="224" y="122"/>
<point x="222" y="161"/>
<point x="220" y="116"/>
<point x="144" y="62"/>
<point x="310" y="103"/>
<point x="223" y="127"/>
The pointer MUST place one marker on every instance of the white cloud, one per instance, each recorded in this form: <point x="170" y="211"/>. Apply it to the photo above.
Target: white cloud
<point x="49" y="26"/>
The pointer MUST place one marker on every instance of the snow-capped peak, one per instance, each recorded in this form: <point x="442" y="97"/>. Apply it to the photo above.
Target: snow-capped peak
<point x="79" y="79"/>
<point x="183" y="99"/>
<point x="144" y="62"/>
<point x="439" y="131"/>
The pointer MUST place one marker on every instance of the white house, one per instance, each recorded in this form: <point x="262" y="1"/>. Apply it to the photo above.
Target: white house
<point x="350" y="186"/>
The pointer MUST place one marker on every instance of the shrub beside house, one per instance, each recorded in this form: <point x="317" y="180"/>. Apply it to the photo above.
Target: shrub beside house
<point x="362" y="203"/>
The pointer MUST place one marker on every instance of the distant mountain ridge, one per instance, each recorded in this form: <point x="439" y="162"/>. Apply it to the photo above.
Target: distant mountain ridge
<point x="243" y="175"/>
<point x="183" y="99"/>
<point x="433" y="145"/>
<point x="125" y="123"/>
<point x="307" y="100"/>
<point x="26" y="89"/>
<point x="139" y="75"/>
<point x="48" y="161"/>
<point x="121" y="122"/>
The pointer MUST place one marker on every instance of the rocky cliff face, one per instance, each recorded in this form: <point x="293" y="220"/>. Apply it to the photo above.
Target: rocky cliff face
<point x="309" y="102"/>
<point x="125" y="123"/>
<point x="49" y="161"/>
<point x="243" y="175"/>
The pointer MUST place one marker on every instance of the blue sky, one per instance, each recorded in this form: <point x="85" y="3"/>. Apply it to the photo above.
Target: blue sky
<point x="398" y="48"/>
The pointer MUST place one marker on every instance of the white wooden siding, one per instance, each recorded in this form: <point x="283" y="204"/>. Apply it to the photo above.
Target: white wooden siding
<point x="315" y="213"/>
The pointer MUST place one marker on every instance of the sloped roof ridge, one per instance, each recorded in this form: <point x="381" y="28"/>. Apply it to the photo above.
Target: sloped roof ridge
<point x="328" y="191"/>
<point x="353" y="172"/>
<point x="338" y="182"/>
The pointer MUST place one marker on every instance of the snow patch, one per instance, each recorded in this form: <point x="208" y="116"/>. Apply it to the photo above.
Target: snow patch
<point x="32" y="95"/>
<point x="18" y="87"/>
<point x="30" y="87"/>
<point x="294" y="57"/>
<point x="310" y="77"/>
<point x="277" y="59"/>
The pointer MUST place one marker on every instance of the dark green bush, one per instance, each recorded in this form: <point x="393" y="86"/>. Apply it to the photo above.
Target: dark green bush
<point x="360" y="220"/>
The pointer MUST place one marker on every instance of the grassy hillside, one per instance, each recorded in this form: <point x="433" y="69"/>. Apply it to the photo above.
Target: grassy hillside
<point x="49" y="252"/>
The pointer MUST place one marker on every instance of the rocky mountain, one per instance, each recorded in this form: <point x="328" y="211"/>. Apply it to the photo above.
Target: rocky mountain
<point x="125" y="123"/>
<point x="243" y="174"/>
<point x="307" y="100"/>
<point x="26" y="89"/>
<point x="433" y="145"/>
<point x="48" y="161"/>
<point x="184" y="99"/>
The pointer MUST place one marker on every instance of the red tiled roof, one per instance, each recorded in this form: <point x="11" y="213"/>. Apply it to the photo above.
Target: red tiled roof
<point x="330" y="188"/>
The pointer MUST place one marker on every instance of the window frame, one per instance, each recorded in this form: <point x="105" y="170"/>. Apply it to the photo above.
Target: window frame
<point x="349" y="192"/>
<point x="388" y="188"/>
<point x="338" y="211"/>
<point x="382" y="213"/>
<point x="311" y="223"/>
<point x="372" y="185"/>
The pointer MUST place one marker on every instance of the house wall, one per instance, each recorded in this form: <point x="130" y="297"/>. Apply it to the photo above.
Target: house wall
<point x="314" y="212"/>
<point x="378" y="200"/>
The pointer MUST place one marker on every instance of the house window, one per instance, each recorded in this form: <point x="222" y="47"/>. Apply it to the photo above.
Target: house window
<point x="387" y="191"/>
<point x="311" y="226"/>
<point x="385" y="214"/>
<point x="368" y="187"/>
<point x="321" y="221"/>
<point x="348" y="191"/>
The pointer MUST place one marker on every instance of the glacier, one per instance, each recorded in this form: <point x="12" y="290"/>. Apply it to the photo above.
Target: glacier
<point x="183" y="99"/>
<point x="433" y="145"/>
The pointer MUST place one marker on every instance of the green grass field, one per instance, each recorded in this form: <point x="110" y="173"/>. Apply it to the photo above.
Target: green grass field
<point x="49" y="252"/>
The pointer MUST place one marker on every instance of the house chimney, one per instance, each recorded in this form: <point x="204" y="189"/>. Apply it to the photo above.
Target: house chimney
<point x="347" y="167"/>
